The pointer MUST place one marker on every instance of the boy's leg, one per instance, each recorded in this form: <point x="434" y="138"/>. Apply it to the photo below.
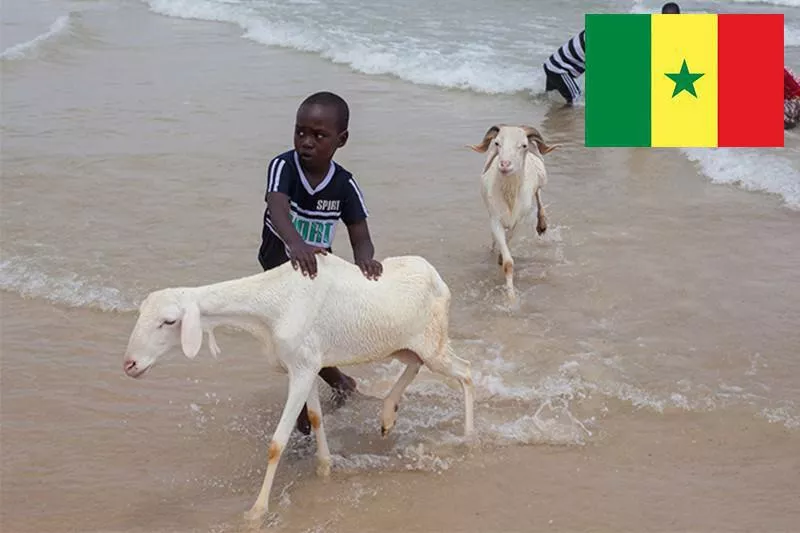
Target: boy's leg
<point x="271" y="255"/>
<point x="342" y="384"/>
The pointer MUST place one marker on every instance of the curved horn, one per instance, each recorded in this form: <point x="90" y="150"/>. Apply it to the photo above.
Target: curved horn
<point x="535" y="137"/>
<point x="491" y="133"/>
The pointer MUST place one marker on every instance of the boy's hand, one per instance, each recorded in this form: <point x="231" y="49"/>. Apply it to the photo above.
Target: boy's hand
<point x="302" y="255"/>
<point x="371" y="268"/>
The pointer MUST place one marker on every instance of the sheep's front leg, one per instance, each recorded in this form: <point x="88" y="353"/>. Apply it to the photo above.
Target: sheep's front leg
<point x="413" y="364"/>
<point x="505" y="254"/>
<point x="300" y="383"/>
<point x="315" y="418"/>
<point x="541" y="217"/>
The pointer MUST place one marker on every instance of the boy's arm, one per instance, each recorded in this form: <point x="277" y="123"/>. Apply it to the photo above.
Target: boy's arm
<point x="363" y="249"/>
<point x="354" y="216"/>
<point x="300" y="253"/>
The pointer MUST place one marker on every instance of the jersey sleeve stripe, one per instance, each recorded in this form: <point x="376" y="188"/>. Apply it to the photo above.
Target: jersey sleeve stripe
<point x="277" y="179"/>
<point x="270" y="173"/>
<point x="360" y="196"/>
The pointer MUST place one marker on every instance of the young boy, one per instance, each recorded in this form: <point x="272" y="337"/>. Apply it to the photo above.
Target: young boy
<point x="307" y="194"/>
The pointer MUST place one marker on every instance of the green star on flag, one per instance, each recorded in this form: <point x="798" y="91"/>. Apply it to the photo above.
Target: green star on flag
<point x="684" y="80"/>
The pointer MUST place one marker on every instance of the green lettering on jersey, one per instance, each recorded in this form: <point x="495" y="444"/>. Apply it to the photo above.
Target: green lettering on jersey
<point x="302" y="226"/>
<point x="315" y="234"/>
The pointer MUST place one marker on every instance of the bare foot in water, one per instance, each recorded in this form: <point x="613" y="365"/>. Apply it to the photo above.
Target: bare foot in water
<point x="342" y="387"/>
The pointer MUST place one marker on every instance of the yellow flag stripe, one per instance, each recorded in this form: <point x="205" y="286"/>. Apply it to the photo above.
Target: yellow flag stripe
<point x="684" y="119"/>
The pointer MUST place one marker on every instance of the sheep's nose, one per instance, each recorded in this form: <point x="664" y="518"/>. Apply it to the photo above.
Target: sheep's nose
<point x="505" y="166"/>
<point x="128" y="365"/>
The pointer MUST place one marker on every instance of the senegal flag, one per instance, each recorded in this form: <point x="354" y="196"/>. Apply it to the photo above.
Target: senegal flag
<point x="684" y="80"/>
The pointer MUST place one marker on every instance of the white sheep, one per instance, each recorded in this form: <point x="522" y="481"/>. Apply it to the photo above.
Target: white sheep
<point x="514" y="174"/>
<point x="339" y="318"/>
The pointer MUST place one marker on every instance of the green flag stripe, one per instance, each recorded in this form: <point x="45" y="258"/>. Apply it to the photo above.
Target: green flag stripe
<point x="617" y="80"/>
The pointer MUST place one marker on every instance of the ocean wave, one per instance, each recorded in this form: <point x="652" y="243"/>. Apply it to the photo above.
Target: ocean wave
<point x="791" y="36"/>
<point x="751" y="169"/>
<point x="63" y="25"/>
<point x="469" y="66"/>
<point x="24" y="277"/>
<point x="786" y="3"/>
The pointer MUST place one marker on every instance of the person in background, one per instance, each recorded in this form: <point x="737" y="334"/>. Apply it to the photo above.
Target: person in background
<point x="670" y="8"/>
<point x="791" y="100"/>
<point x="563" y="68"/>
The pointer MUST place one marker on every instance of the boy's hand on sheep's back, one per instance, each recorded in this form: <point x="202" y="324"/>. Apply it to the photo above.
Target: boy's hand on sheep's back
<point x="303" y="255"/>
<point x="370" y="267"/>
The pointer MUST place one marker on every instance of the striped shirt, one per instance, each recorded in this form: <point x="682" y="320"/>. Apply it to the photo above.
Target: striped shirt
<point x="570" y="58"/>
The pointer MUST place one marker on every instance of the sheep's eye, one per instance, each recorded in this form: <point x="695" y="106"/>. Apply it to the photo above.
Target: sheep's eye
<point x="524" y="146"/>
<point x="496" y="143"/>
<point x="168" y="322"/>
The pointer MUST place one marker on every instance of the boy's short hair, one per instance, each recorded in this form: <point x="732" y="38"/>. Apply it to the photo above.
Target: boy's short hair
<point x="328" y="99"/>
<point x="670" y="8"/>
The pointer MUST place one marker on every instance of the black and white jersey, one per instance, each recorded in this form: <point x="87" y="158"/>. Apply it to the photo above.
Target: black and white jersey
<point x="314" y="211"/>
<point x="570" y="58"/>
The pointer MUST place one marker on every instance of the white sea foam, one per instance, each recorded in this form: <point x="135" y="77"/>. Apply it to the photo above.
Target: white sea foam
<point x="26" y="278"/>
<point x="787" y="3"/>
<point x="763" y="170"/>
<point x="61" y="26"/>
<point x="471" y="64"/>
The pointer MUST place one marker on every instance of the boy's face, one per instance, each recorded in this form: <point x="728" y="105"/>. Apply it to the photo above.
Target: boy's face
<point x="317" y="136"/>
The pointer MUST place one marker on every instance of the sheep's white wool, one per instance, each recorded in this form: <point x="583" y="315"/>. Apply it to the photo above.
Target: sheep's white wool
<point x="513" y="176"/>
<point x="338" y="318"/>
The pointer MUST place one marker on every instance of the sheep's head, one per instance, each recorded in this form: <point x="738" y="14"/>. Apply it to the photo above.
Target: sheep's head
<point x="510" y="144"/>
<point x="167" y="318"/>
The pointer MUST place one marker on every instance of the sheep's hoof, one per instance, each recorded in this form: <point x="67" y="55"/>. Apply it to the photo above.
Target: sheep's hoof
<point x="324" y="468"/>
<point x="511" y="297"/>
<point x="255" y="514"/>
<point x="541" y="227"/>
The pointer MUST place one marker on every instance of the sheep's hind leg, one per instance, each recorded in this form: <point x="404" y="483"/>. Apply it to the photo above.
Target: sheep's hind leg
<point x="315" y="418"/>
<point x="451" y="365"/>
<point x="299" y="389"/>
<point x="541" y="217"/>
<point x="390" y="404"/>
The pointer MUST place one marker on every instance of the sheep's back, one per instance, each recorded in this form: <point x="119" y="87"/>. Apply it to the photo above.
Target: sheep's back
<point x="368" y="318"/>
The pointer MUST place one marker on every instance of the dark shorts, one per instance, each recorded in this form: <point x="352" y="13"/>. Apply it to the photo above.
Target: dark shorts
<point x="563" y="83"/>
<point x="272" y="253"/>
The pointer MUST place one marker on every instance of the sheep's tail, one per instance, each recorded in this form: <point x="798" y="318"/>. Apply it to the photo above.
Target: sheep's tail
<point x="440" y="312"/>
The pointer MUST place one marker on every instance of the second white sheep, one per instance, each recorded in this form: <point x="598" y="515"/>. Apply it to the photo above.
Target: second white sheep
<point x="513" y="176"/>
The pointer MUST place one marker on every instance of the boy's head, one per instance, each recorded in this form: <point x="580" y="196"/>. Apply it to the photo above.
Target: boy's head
<point x="320" y="129"/>
<point x="670" y="8"/>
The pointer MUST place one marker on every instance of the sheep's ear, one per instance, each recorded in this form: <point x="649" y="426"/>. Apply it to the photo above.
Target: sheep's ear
<point x="535" y="137"/>
<point x="491" y="133"/>
<point x="191" y="331"/>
